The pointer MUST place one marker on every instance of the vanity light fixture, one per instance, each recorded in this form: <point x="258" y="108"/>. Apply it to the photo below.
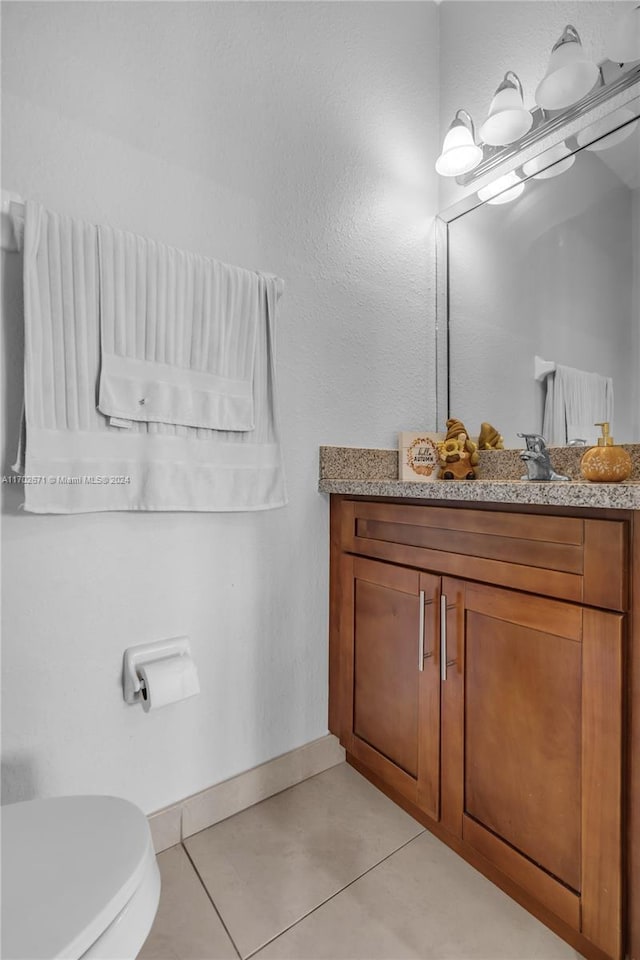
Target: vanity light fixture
<point x="460" y="152"/>
<point x="623" y="43"/>
<point x="572" y="86"/>
<point x="503" y="190"/>
<point x="550" y="164"/>
<point x="570" y="74"/>
<point x="508" y="119"/>
<point x="597" y="137"/>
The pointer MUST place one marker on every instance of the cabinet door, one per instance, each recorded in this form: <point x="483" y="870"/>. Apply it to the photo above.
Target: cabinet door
<point x="390" y="625"/>
<point x="532" y="713"/>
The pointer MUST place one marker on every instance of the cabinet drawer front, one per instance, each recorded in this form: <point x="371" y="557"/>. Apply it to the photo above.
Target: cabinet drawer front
<point x="572" y="558"/>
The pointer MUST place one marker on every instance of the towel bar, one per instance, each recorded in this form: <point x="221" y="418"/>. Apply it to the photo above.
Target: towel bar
<point x="12" y="221"/>
<point x="542" y="368"/>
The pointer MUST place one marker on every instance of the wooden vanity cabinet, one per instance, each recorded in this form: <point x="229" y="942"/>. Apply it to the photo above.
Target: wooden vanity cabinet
<point x="494" y="712"/>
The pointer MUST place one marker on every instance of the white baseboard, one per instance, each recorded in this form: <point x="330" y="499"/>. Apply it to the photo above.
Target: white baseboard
<point x="173" y="824"/>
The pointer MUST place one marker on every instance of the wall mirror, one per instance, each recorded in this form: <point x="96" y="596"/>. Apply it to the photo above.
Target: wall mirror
<point x="546" y="273"/>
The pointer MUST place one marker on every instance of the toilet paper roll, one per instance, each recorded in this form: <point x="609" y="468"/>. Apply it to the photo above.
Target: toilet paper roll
<point x="167" y="681"/>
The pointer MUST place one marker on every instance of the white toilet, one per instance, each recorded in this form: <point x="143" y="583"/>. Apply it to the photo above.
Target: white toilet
<point x="79" y="879"/>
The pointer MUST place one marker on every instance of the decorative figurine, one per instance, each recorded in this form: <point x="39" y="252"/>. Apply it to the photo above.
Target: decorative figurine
<point x="489" y="438"/>
<point x="537" y="459"/>
<point x="458" y="454"/>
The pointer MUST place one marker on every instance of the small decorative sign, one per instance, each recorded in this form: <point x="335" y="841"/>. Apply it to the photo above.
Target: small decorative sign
<point x="419" y="456"/>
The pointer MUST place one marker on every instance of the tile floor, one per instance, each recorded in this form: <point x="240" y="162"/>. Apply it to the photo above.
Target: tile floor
<point x="333" y="869"/>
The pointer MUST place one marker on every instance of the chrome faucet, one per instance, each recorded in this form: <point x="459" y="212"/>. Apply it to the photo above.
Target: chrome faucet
<point x="537" y="459"/>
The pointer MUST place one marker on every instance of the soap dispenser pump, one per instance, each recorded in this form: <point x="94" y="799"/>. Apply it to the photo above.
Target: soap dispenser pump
<point x="606" y="463"/>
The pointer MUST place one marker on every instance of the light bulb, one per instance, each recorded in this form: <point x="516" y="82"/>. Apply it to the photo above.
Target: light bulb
<point x="508" y="120"/>
<point x="623" y="43"/>
<point x="570" y="74"/>
<point x="460" y="153"/>
<point x="503" y="190"/>
<point x="550" y="164"/>
<point x="605" y="133"/>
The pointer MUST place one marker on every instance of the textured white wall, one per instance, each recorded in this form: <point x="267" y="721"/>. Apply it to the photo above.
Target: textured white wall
<point x="292" y="137"/>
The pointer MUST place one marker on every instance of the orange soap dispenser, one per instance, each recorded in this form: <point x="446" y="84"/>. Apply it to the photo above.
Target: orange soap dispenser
<point x="606" y="463"/>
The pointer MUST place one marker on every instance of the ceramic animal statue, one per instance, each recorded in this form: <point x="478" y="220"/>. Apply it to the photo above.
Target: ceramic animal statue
<point x="537" y="459"/>
<point x="489" y="438"/>
<point x="458" y="453"/>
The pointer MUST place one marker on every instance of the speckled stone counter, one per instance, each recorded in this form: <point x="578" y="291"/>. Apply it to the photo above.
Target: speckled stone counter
<point x="374" y="473"/>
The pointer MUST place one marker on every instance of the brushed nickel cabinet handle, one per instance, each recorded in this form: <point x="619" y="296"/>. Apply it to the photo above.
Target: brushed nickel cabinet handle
<point x="443" y="637"/>
<point x="421" y="633"/>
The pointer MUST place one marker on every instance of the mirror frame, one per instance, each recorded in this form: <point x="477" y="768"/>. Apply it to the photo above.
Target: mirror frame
<point x="595" y="107"/>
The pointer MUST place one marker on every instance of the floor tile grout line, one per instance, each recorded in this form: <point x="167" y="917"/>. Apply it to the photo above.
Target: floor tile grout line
<point x="258" y="802"/>
<point x="277" y="794"/>
<point x="212" y="901"/>
<point x="333" y="896"/>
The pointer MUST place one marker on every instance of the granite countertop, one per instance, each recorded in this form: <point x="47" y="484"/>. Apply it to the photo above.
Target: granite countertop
<point x="365" y="472"/>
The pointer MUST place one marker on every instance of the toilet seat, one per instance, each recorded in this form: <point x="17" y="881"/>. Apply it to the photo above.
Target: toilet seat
<point x="73" y="867"/>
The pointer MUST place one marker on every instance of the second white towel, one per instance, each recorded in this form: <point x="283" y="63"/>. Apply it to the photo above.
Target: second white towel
<point x="178" y="335"/>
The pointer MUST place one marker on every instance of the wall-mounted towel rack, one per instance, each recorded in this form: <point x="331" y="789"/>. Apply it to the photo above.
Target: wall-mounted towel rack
<point x="542" y="368"/>
<point x="11" y="221"/>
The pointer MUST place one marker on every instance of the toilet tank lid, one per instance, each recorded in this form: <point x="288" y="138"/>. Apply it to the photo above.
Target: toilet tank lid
<point x="69" y="866"/>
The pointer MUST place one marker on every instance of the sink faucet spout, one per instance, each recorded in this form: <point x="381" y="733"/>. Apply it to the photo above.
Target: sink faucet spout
<point x="537" y="459"/>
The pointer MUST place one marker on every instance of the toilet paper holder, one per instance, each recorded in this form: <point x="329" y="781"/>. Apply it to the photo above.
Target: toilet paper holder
<point x="132" y="684"/>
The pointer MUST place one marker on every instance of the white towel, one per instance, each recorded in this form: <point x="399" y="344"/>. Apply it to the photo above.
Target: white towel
<point x="178" y="335"/>
<point x="575" y="401"/>
<point x="76" y="461"/>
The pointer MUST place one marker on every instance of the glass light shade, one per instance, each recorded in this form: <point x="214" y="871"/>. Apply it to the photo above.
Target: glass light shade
<point x="570" y="75"/>
<point x="550" y="164"/>
<point x="508" y="195"/>
<point x="508" y="120"/>
<point x="597" y="137"/>
<point x="503" y="190"/>
<point x="623" y="43"/>
<point x="460" y="153"/>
